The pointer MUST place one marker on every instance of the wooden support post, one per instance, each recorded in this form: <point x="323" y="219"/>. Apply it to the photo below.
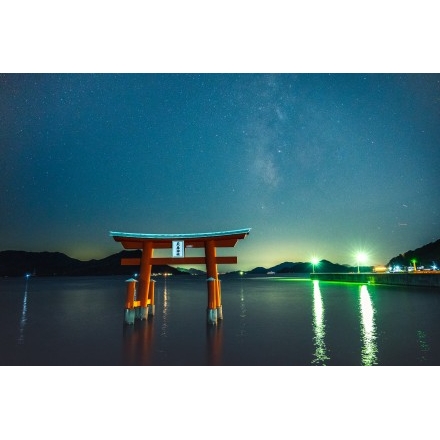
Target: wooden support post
<point x="129" y="301"/>
<point x="219" y="300"/>
<point x="211" y="309"/>
<point x="212" y="278"/>
<point x="144" y="278"/>
<point x="152" y="306"/>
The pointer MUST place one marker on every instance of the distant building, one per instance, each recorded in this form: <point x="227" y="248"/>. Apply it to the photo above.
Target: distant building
<point x="380" y="269"/>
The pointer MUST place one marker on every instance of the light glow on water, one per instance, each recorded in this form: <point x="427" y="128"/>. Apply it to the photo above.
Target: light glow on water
<point x="23" y="318"/>
<point x="320" y="355"/>
<point x="243" y="313"/>
<point x="165" y="306"/>
<point x="368" y="328"/>
<point x="267" y="322"/>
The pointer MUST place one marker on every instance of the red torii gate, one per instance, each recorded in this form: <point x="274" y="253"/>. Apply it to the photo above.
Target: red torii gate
<point x="178" y="243"/>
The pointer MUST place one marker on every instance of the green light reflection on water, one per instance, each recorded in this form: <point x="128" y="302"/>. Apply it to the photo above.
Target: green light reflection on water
<point x="287" y="279"/>
<point x="368" y="328"/>
<point x="320" y="355"/>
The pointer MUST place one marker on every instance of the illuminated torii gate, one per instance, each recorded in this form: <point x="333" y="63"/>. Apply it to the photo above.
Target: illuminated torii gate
<point x="178" y="243"/>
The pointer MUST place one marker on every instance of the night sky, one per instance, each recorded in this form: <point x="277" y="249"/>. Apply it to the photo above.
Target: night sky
<point x="321" y="165"/>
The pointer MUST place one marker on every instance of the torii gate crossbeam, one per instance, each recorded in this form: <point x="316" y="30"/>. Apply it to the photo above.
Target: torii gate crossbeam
<point x="209" y="241"/>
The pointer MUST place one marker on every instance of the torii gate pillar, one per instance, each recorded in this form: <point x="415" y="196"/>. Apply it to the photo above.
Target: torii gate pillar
<point x="214" y="301"/>
<point x="144" y="278"/>
<point x="209" y="241"/>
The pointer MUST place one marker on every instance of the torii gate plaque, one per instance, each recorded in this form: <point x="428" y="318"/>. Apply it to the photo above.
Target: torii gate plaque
<point x="178" y="243"/>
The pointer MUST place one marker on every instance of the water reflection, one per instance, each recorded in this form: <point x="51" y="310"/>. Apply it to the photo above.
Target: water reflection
<point x="23" y="318"/>
<point x="138" y="340"/>
<point x="368" y="330"/>
<point x="164" y="327"/>
<point x="320" y="355"/>
<point x="424" y="346"/>
<point x="215" y="343"/>
<point x="243" y="312"/>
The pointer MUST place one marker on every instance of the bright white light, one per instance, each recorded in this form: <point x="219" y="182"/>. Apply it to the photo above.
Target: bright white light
<point x="361" y="257"/>
<point x="314" y="261"/>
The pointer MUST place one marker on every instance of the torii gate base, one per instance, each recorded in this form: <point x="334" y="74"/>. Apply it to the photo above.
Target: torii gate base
<point x="144" y="303"/>
<point x="133" y="308"/>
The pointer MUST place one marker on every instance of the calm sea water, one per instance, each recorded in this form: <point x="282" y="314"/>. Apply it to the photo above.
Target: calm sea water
<point x="267" y="321"/>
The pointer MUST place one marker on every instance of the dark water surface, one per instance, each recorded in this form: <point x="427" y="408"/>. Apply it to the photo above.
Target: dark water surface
<point x="267" y="321"/>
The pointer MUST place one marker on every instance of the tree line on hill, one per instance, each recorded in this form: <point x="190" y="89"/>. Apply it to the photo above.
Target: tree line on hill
<point x="425" y="256"/>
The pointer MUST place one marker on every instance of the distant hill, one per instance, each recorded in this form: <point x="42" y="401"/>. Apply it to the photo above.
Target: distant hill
<point x="191" y="271"/>
<point x="18" y="263"/>
<point x="425" y="256"/>
<point x="322" y="266"/>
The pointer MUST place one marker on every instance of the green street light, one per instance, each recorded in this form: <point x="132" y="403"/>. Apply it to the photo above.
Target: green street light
<point x="361" y="257"/>
<point x="315" y="262"/>
<point x="414" y="261"/>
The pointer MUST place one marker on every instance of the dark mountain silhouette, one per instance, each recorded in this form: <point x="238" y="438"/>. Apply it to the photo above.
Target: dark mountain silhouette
<point x="426" y="256"/>
<point x="18" y="263"/>
<point x="258" y="270"/>
<point x="191" y="271"/>
<point x="322" y="266"/>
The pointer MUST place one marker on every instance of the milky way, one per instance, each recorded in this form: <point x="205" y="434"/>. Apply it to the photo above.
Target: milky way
<point x="315" y="164"/>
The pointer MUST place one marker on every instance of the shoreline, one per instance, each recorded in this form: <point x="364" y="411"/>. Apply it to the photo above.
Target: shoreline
<point x="418" y="279"/>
